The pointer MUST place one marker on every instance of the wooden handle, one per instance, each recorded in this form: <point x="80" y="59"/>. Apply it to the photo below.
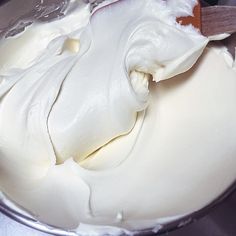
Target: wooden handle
<point x="218" y="19"/>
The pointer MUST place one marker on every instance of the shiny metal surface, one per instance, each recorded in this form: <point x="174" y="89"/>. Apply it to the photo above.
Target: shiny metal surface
<point x="220" y="222"/>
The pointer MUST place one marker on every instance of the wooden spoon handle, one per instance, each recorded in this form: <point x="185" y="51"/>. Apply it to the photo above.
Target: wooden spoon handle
<point x="218" y="19"/>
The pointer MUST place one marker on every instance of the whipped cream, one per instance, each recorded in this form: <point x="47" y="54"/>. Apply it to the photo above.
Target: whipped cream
<point x="104" y="123"/>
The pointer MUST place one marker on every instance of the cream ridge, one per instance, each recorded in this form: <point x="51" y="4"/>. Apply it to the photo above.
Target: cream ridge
<point x="116" y="120"/>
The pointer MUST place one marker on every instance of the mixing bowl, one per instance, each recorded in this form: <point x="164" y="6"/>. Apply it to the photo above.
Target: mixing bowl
<point x="11" y="13"/>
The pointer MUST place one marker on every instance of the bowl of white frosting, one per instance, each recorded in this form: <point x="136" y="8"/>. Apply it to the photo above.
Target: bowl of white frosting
<point x="114" y="119"/>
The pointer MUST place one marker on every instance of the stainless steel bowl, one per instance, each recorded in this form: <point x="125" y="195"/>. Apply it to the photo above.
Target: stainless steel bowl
<point x="6" y="207"/>
<point x="16" y="10"/>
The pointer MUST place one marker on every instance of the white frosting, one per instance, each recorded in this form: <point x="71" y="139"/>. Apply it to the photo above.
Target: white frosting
<point x="88" y="138"/>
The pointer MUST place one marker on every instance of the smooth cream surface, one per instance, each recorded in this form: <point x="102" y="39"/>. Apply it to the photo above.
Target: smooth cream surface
<point x="101" y="124"/>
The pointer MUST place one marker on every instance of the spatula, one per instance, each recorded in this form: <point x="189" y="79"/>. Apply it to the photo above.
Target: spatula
<point x="212" y="20"/>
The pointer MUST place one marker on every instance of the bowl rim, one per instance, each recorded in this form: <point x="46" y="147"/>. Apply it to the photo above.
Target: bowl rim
<point x="30" y="221"/>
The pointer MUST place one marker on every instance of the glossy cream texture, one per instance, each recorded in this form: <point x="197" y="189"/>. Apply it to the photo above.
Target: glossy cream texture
<point x="92" y="131"/>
